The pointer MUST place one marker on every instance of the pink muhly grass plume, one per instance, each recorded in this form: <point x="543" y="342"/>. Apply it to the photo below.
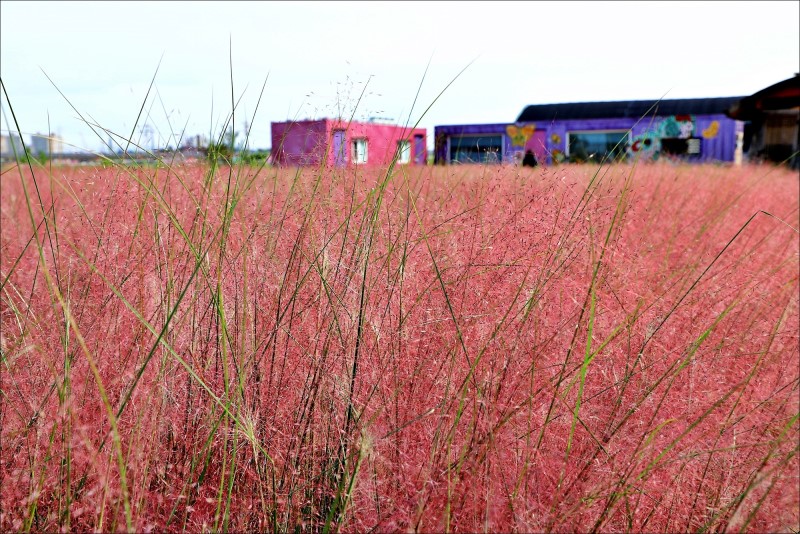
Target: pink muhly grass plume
<point x="466" y="348"/>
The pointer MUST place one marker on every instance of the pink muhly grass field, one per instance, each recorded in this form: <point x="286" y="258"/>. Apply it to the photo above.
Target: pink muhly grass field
<point x="464" y="348"/>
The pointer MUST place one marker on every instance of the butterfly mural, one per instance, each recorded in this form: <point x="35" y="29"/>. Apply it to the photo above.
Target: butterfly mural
<point x="520" y="135"/>
<point x="712" y="130"/>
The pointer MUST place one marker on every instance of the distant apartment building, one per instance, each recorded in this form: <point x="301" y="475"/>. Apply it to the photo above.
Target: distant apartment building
<point x="46" y="144"/>
<point x="9" y="145"/>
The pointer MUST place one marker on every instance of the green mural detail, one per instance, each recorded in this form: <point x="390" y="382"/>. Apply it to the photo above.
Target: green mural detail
<point x="648" y="144"/>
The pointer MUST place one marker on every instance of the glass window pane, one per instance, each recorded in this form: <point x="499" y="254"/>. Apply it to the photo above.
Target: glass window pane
<point x="404" y="152"/>
<point x="359" y="150"/>
<point x="594" y="146"/>
<point x="476" y="148"/>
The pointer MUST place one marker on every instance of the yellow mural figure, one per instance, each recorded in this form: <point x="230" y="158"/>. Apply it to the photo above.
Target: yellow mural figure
<point x="711" y="131"/>
<point x="520" y="136"/>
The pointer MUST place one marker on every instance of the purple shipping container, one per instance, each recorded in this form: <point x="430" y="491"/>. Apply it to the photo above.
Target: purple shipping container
<point x="687" y="129"/>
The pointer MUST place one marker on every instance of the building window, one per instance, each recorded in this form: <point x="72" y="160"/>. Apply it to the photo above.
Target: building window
<point x="359" y="151"/>
<point x="403" y="152"/>
<point x="476" y="149"/>
<point x="676" y="146"/>
<point x="594" y="146"/>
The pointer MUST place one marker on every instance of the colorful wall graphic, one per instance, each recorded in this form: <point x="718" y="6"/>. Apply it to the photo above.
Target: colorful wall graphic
<point x="556" y="148"/>
<point x="647" y="145"/>
<point x="691" y="137"/>
<point x="520" y="135"/>
<point x="712" y="130"/>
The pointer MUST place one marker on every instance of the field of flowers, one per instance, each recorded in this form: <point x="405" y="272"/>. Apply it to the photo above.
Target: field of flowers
<point x="463" y="348"/>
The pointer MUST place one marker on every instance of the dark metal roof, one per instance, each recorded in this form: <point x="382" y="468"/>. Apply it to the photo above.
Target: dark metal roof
<point x="782" y="95"/>
<point x="633" y="109"/>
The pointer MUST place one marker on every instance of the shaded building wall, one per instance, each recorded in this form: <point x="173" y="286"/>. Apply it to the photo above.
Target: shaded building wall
<point x="301" y="143"/>
<point x="772" y="131"/>
<point x="775" y="136"/>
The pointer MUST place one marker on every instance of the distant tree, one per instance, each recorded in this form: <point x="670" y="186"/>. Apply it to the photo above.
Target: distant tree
<point x="223" y="148"/>
<point x="254" y="157"/>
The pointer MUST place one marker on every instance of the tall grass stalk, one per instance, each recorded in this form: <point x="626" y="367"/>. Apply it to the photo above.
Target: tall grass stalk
<point x="457" y="348"/>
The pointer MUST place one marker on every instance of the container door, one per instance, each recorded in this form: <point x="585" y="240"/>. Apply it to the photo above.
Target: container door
<point x="339" y="148"/>
<point x="538" y="144"/>
<point x="420" y="150"/>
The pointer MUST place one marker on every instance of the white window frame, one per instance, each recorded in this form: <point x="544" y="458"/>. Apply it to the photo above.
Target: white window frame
<point x="357" y="156"/>
<point x="404" y="152"/>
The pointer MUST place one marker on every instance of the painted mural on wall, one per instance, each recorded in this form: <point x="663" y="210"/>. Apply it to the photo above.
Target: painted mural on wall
<point x="520" y="135"/>
<point x="556" y="149"/>
<point x="648" y="144"/>
<point x="712" y="130"/>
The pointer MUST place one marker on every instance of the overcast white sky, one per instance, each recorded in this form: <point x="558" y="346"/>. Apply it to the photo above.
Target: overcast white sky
<point x="319" y="55"/>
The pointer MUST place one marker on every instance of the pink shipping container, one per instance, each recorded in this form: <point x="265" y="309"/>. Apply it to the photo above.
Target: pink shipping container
<point x="334" y="142"/>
